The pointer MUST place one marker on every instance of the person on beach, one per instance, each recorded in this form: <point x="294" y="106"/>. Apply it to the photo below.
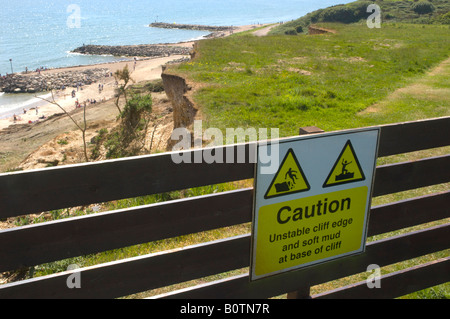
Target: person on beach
<point x="37" y="110"/>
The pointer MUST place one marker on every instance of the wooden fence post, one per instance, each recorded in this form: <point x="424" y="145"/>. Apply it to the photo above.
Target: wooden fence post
<point x="304" y="292"/>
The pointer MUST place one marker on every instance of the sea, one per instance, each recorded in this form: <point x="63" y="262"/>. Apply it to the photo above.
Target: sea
<point x="41" y="33"/>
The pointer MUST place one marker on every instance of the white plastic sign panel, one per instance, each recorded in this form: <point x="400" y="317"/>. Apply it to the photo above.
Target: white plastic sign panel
<point x="312" y="204"/>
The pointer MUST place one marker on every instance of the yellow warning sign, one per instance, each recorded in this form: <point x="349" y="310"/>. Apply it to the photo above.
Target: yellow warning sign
<point x="346" y="169"/>
<point x="309" y="230"/>
<point x="289" y="178"/>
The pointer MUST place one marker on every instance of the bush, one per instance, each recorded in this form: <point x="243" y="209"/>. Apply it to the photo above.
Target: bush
<point x="132" y="113"/>
<point x="352" y="12"/>
<point x="155" y="86"/>
<point x="359" y="9"/>
<point x="290" y="31"/>
<point x="423" y="7"/>
<point x="339" y="14"/>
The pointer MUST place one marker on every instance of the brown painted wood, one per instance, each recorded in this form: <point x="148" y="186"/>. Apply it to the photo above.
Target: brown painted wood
<point x="414" y="136"/>
<point x="408" y="213"/>
<point x="396" y="284"/>
<point x="382" y="252"/>
<point x="46" y="242"/>
<point x="138" y="274"/>
<point x="77" y="185"/>
<point x="110" y="180"/>
<point x="70" y="186"/>
<point x="395" y="178"/>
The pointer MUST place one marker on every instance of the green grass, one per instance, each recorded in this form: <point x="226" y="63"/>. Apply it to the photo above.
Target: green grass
<point x="326" y="81"/>
<point x="336" y="81"/>
<point x="391" y="11"/>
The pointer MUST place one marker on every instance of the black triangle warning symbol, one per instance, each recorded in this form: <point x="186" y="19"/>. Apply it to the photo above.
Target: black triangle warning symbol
<point x="346" y="169"/>
<point x="289" y="178"/>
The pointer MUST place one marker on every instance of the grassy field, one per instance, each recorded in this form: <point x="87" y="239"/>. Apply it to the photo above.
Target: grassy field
<point x="326" y="81"/>
<point x="390" y="10"/>
<point x="354" y="78"/>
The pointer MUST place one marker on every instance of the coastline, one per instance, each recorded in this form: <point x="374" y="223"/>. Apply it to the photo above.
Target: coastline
<point x="146" y="69"/>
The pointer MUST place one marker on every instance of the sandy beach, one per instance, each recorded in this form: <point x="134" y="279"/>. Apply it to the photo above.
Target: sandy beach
<point x="146" y="69"/>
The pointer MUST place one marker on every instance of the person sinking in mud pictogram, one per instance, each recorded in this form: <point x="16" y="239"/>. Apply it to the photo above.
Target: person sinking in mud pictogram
<point x="345" y="174"/>
<point x="344" y="166"/>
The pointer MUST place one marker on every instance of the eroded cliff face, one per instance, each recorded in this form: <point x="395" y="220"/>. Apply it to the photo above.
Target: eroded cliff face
<point x="177" y="90"/>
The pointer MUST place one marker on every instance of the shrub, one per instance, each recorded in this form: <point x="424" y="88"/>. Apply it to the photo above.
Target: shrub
<point x="155" y="86"/>
<point x="359" y="9"/>
<point x="352" y="12"/>
<point x="134" y="108"/>
<point x="339" y="14"/>
<point x="290" y="31"/>
<point x="423" y="7"/>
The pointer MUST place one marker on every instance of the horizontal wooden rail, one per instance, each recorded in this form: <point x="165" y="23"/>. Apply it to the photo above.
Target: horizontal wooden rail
<point x="396" y="284"/>
<point x="41" y="243"/>
<point x="388" y="179"/>
<point x="137" y="274"/>
<point x="46" y="242"/>
<point x="90" y="183"/>
<point x="414" y="136"/>
<point x="408" y="213"/>
<point x="21" y="193"/>
<point x="399" y="177"/>
<point x="76" y="185"/>
<point x="382" y="253"/>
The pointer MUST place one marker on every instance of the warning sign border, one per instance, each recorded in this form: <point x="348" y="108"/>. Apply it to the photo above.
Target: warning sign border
<point x="363" y="178"/>
<point x="290" y="151"/>
<point x="280" y="141"/>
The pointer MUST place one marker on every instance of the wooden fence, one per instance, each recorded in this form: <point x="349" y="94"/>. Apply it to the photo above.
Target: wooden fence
<point x="37" y="191"/>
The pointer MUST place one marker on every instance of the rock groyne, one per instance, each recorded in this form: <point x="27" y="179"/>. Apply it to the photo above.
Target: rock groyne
<point x="143" y="50"/>
<point x="164" y="25"/>
<point x="35" y="82"/>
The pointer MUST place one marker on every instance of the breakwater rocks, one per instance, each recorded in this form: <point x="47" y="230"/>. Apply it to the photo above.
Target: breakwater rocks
<point x="43" y="81"/>
<point x="143" y="50"/>
<point x="164" y="25"/>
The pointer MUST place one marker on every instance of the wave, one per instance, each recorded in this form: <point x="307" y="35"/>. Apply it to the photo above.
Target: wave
<point x="73" y="53"/>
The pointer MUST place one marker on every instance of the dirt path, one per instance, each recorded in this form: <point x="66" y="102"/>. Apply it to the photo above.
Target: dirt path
<point x="425" y="87"/>
<point x="263" y="32"/>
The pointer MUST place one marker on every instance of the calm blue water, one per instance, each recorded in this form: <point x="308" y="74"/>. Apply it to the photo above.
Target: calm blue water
<point x="39" y="33"/>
